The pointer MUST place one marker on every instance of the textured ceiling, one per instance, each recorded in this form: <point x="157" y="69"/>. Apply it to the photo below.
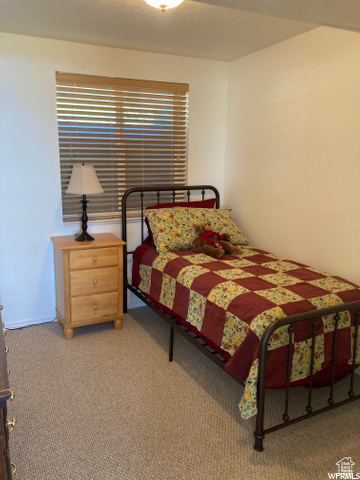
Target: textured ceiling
<point x="343" y="14"/>
<point x="212" y="29"/>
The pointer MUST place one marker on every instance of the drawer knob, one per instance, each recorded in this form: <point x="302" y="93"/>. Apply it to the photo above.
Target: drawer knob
<point x="12" y="396"/>
<point x="96" y="306"/>
<point x="4" y="333"/>
<point x="96" y="281"/>
<point x="8" y="371"/>
<point x="7" y="350"/>
<point x="94" y="259"/>
<point x="11" y="425"/>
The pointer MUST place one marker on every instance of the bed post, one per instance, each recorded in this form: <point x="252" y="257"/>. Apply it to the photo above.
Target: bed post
<point x="260" y="398"/>
<point x="261" y="386"/>
<point x="123" y="234"/>
<point x="171" y="344"/>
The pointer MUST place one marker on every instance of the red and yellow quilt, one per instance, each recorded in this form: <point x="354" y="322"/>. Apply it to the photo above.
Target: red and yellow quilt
<point x="232" y="300"/>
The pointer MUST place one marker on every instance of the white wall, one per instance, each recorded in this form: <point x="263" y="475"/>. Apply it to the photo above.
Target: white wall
<point x="30" y="179"/>
<point x="293" y="149"/>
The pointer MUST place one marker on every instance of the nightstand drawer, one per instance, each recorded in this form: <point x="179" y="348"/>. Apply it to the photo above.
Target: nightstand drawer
<point x="97" y="280"/>
<point x="93" y="257"/>
<point x="93" y="307"/>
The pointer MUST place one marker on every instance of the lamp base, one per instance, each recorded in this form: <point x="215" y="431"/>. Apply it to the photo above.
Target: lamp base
<point x="84" y="237"/>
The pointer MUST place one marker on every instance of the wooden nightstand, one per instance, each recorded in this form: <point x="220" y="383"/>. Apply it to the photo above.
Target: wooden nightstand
<point x="89" y="281"/>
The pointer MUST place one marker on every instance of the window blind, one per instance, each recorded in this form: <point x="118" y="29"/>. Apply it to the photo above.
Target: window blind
<point x="134" y="132"/>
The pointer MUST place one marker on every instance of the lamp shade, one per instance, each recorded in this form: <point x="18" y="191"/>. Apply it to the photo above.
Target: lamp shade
<point x="84" y="181"/>
<point x="164" y="4"/>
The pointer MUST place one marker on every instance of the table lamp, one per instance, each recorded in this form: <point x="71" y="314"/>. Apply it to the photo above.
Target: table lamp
<point x="84" y="181"/>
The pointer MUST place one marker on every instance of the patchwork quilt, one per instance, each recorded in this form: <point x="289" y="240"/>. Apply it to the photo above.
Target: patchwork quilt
<point x="231" y="301"/>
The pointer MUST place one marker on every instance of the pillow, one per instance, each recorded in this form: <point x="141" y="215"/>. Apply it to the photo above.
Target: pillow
<point x="209" y="203"/>
<point x="173" y="228"/>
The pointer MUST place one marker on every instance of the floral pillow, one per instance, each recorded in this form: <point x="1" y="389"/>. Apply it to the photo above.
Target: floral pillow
<point x="174" y="228"/>
<point x="208" y="203"/>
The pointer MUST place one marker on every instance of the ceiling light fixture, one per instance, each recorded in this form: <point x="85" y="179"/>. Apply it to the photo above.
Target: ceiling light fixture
<point x="164" y="4"/>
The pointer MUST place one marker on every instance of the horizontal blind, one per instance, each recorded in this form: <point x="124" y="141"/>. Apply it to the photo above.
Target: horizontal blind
<point x="134" y="132"/>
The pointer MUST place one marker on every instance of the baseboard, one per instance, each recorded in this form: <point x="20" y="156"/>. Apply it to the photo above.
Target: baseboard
<point x="134" y="302"/>
<point x="28" y="322"/>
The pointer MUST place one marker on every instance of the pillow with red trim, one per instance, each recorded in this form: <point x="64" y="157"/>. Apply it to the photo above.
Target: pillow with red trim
<point x="209" y="203"/>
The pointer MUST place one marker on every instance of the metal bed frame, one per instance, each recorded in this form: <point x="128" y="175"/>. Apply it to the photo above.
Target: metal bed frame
<point x="314" y="317"/>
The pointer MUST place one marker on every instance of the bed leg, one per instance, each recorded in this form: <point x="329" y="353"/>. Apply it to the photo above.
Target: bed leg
<point x="260" y="396"/>
<point x="259" y="431"/>
<point x="125" y="300"/>
<point x="259" y="442"/>
<point x="171" y="344"/>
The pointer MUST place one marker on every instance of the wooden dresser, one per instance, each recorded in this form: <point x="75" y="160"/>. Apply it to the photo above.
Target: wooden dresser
<point x="6" y="467"/>
<point x="89" y="281"/>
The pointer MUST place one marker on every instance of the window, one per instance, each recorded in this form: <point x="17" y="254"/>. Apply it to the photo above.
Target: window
<point x="134" y="132"/>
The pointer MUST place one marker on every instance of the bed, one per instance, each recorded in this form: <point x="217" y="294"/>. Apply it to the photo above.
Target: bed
<point x="267" y="321"/>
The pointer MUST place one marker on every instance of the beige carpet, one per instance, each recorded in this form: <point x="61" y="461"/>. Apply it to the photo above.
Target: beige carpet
<point x="108" y="405"/>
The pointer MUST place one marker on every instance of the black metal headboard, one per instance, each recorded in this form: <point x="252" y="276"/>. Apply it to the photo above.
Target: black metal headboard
<point x="166" y="191"/>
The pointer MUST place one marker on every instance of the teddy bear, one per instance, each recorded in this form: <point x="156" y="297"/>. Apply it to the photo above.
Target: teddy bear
<point x="212" y="243"/>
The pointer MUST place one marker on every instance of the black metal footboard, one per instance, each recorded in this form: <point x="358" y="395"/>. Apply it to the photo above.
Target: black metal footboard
<point x="314" y="317"/>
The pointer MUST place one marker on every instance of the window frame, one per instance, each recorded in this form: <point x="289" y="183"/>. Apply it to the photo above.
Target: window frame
<point x="92" y="114"/>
